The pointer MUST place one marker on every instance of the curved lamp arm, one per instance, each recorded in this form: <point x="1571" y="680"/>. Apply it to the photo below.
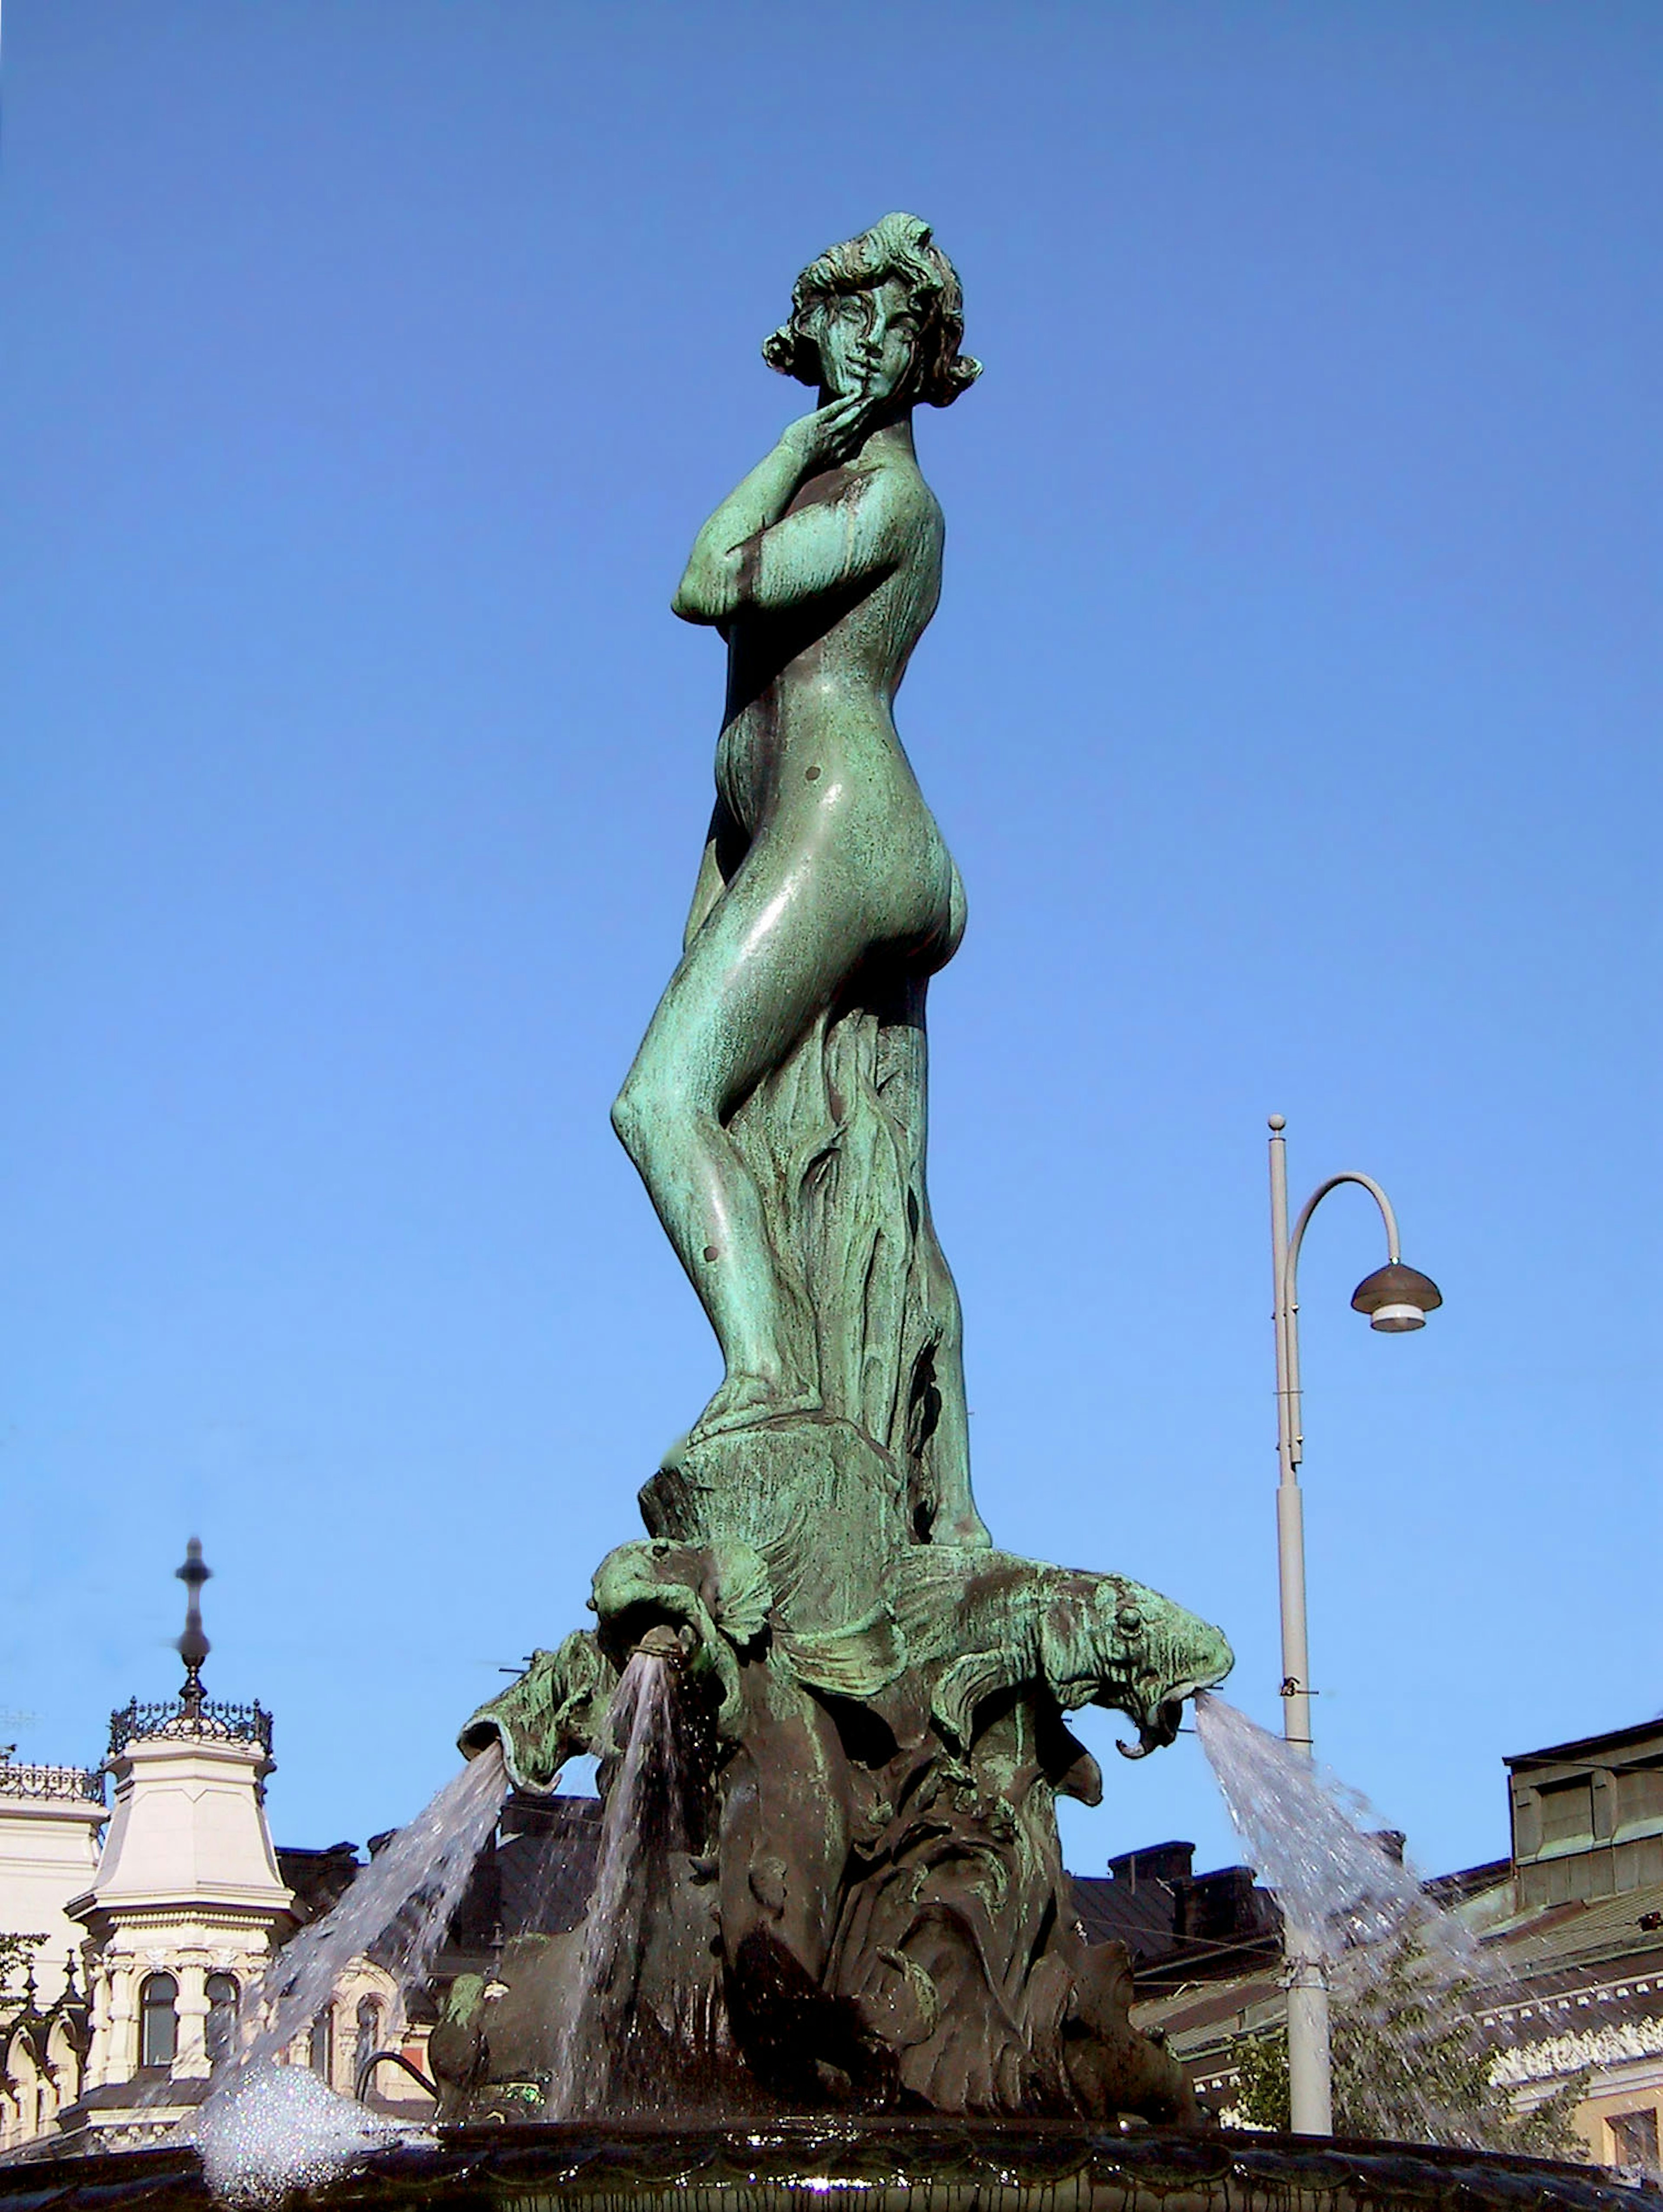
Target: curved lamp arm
<point x="1392" y="1251"/>
<point x="1288" y="1289"/>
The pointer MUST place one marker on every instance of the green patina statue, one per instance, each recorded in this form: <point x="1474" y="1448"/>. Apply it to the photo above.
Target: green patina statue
<point x="776" y="1108"/>
<point x="861" y="1896"/>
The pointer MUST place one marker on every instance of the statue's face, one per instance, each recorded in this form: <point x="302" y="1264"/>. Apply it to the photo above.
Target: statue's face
<point x="868" y="342"/>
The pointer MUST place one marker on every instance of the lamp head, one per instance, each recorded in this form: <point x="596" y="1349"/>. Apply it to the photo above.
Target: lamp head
<point x="1396" y="1298"/>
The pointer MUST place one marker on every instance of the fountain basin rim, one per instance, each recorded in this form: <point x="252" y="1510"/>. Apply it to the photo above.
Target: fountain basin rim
<point x="824" y="2153"/>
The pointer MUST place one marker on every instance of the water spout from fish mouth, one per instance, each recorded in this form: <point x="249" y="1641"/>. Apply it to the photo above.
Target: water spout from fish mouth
<point x="660" y="1642"/>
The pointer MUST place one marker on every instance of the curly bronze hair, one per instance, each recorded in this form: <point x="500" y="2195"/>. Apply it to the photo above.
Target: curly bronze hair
<point x="900" y="246"/>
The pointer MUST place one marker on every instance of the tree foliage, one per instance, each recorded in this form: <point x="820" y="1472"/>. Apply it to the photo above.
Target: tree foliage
<point x="16" y="1957"/>
<point x="1412" y="2063"/>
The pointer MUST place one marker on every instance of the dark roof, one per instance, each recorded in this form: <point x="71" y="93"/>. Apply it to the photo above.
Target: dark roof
<point x="1217" y="2009"/>
<point x="545" y="1861"/>
<point x="1449" y="1889"/>
<point x="1585" y="1747"/>
<point x="534" y="1880"/>
<point x="1178" y="1926"/>
<point x="319" y="1878"/>
<point x="1143" y="1918"/>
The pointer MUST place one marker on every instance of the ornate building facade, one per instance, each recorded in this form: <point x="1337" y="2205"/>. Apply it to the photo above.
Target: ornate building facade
<point x="152" y="1939"/>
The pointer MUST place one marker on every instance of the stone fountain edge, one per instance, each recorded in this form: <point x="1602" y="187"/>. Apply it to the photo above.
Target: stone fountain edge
<point x="926" y="2164"/>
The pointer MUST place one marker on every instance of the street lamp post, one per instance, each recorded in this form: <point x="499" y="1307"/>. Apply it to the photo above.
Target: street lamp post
<point x="1396" y="1298"/>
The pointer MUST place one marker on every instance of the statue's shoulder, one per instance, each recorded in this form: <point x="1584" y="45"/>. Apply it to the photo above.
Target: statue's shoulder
<point x="897" y="483"/>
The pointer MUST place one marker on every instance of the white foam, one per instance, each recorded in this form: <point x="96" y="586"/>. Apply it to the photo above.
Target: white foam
<point x="276" y="2129"/>
<point x="267" y="2129"/>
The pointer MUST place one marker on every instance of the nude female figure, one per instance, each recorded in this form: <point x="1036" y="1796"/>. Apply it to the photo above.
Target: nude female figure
<point x="823" y="863"/>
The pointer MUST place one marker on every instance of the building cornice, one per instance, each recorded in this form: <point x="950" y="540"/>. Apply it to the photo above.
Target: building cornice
<point x="103" y="1914"/>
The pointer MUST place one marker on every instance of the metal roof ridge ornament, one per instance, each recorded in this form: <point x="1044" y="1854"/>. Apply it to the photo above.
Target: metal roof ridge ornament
<point x="193" y="1646"/>
<point x="191" y="1714"/>
<point x="214" y="1719"/>
<point x="35" y="1779"/>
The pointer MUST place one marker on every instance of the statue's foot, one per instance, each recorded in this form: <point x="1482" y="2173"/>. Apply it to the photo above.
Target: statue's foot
<point x="745" y="1400"/>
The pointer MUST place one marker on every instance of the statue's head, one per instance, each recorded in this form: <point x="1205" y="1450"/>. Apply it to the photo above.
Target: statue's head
<point x="883" y="315"/>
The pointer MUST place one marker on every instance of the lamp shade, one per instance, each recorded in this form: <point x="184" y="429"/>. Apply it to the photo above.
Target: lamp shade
<point x="1396" y="1298"/>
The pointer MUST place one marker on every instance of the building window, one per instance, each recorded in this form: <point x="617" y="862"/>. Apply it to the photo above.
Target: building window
<point x="368" y="2041"/>
<point x="1633" y="2138"/>
<point x="222" y="1993"/>
<point x="158" y="2021"/>
<point x="320" y="2049"/>
<point x="1639" y="1796"/>
<point x="1567" y="1813"/>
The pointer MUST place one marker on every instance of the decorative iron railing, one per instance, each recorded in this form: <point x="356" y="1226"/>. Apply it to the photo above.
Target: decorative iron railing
<point x="208" y="1718"/>
<point x="80" y="1785"/>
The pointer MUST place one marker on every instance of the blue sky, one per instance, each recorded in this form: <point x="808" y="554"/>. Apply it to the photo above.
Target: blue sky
<point x="1292" y="712"/>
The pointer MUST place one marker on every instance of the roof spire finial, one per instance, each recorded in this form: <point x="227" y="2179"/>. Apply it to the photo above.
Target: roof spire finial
<point x="193" y="1646"/>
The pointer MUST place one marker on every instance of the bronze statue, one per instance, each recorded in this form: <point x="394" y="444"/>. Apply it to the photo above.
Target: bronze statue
<point x="856" y="1895"/>
<point x="776" y="1109"/>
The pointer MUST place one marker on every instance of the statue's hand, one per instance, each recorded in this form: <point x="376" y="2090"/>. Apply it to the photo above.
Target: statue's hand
<point x="831" y="435"/>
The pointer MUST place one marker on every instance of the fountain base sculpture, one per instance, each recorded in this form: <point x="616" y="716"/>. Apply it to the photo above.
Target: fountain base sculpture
<point x="858" y="1892"/>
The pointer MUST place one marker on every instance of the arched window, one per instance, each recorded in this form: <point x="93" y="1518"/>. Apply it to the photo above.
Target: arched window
<point x="368" y="2039"/>
<point x="19" y="2061"/>
<point x="222" y="1992"/>
<point x="320" y="2050"/>
<point x="158" y="2021"/>
<point x="64" y="2057"/>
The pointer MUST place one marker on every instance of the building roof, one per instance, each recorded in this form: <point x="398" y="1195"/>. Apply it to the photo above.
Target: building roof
<point x="1586" y="1747"/>
<point x="1200" y="2014"/>
<point x="1141" y="1917"/>
<point x="1584" y="1932"/>
<point x="319" y="1879"/>
<point x="1178" y="1926"/>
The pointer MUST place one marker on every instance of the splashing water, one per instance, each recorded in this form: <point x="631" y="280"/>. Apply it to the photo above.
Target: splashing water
<point x="267" y="2128"/>
<point x="1411" y="2060"/>
<point x="410" y="1890"/>
<point x="281" y="2130"/>
<point x="1308" y="1836"/>
<point x="645" y="1793"/>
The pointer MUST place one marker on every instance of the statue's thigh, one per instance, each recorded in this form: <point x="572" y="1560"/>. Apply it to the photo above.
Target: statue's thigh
<point x="777" y="949"/>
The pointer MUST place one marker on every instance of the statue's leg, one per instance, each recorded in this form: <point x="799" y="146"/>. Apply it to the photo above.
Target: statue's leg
<point x="774" y="950"/>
